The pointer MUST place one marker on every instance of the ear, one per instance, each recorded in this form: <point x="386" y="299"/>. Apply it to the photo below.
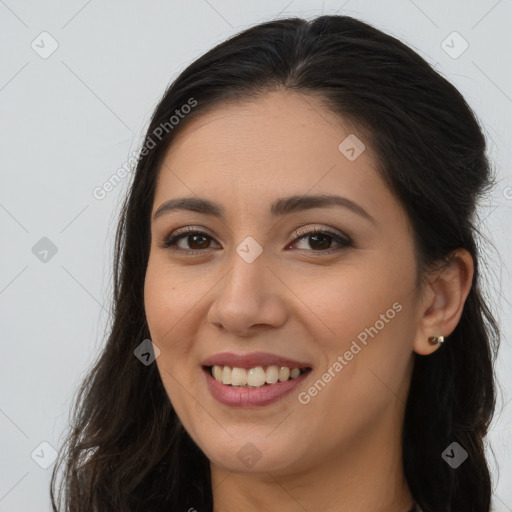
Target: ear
<point x="443" y="298"/>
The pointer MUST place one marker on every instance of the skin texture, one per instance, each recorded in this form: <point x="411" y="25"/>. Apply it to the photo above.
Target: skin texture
<point x="341" y="451"/>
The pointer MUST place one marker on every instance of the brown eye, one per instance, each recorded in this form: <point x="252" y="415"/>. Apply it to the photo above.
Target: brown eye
<point x="200" y="241"/>
<point x="194" y="242"/>
<point x="321" y="240"/>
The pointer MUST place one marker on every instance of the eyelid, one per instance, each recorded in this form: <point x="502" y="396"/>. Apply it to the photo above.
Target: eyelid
<point x="182" y="233"/>
<point x="307" y="230"/>
<point x="343" y="240"/>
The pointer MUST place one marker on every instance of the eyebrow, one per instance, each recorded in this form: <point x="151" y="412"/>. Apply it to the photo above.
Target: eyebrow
<point x="279" y="207"/>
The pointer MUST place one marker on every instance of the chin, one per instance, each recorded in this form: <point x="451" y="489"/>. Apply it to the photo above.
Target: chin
<point x="249" y="452"/>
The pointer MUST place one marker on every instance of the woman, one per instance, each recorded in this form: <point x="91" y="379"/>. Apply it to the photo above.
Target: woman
<point x="297" y="321"/>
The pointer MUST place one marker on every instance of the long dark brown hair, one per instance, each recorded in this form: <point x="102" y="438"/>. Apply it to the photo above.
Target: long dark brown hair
<point x="126" y="449"/>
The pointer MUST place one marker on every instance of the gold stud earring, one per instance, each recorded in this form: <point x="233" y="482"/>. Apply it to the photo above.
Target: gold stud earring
<point x="436" y="340"/>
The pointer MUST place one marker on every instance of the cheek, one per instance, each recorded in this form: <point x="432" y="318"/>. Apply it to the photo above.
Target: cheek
<point x="174" y="313"/>
<point x="157" y="303"/>
<point x="168" y="295"/>
<point x="366" y="317"/>
<point x="166" y="306"/>
<point x="348" y="302"/>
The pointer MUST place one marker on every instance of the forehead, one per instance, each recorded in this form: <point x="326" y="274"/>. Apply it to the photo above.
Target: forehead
<point x="279" y="144"/>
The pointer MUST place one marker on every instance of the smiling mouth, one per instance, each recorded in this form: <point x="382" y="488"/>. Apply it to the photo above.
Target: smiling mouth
<point x="257" y="377"/>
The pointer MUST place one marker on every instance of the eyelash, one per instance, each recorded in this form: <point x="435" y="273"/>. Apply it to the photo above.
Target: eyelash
<point x="344" y="241"/>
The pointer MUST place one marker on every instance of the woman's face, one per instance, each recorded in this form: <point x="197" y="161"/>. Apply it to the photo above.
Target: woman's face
<point x="341" y="303"/>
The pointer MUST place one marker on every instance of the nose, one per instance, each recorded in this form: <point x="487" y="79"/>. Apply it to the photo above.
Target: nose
<point x="249" y="298"/>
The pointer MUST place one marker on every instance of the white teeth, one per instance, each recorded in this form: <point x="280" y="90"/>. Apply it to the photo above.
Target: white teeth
<point x="284" y="373"/>
<point x="239" y="377"/>
<point x="294" y="373"/>
<point x="254" y="377"/>
<point x="217" y="373"/>
<point x="226" y="375"/>
<point x="272" y="374"/>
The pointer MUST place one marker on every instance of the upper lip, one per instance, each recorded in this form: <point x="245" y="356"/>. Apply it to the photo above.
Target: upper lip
<point x="252" y="360"/>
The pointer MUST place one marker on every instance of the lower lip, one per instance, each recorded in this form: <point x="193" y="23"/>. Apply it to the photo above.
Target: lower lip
<point x="251" y="397"/>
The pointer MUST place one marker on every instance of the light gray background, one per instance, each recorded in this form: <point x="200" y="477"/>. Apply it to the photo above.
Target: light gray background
<point x="70" y="120"/>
